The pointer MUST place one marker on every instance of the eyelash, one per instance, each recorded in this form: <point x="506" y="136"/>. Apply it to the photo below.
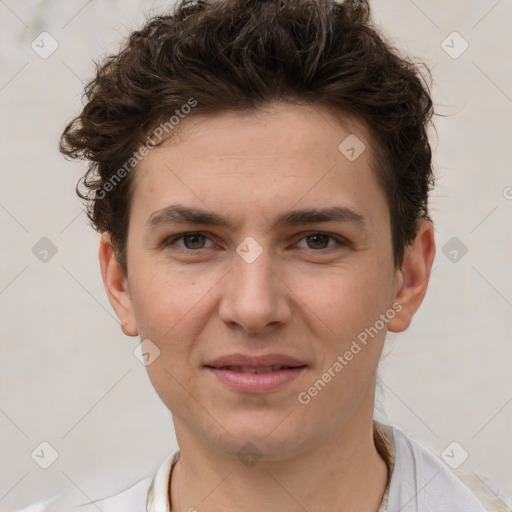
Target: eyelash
<point x="340" y="241"/>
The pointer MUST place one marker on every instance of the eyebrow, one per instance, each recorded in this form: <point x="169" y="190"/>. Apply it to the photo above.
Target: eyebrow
<point x="178" y="214"/>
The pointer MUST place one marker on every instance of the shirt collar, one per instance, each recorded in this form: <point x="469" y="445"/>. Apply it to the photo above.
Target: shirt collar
<point x="158" y="493"/>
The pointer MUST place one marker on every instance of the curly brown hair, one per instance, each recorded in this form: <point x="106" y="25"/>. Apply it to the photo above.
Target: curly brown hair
<point x="216" y="55"/>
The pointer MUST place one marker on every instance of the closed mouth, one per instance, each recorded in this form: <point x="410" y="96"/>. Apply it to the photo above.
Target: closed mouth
<point x="251" y="369"/>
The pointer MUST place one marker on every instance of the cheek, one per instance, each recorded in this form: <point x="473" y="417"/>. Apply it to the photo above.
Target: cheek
<point x="344" y="300"/>
<point x="165" y="299"/>
<point x="172" y="308"/>
<point x="170" y="311"/>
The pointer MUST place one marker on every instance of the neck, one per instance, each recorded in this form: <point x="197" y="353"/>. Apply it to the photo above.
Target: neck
<point x="344" y="472"/>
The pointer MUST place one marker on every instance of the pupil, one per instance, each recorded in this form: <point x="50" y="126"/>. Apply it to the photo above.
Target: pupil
<point x="194" y="239"/>
<point x="316" y="238"/>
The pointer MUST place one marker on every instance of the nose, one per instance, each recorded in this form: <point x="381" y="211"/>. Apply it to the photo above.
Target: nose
<point x="254" y="297"/>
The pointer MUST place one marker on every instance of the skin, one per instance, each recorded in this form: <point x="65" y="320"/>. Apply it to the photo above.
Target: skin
<point x="304" y="297"/>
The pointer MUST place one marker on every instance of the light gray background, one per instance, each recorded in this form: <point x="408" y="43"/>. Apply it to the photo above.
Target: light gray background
<point x="69" y="376"/>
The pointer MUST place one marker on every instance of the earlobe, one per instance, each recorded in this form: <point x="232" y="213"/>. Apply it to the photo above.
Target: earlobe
<point x="116" y="286"/>
<point x="413" y="276"/>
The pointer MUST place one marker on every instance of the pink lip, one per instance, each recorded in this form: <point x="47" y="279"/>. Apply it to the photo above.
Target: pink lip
<point x="250" y="361"/>
<point x="256" y="382"/>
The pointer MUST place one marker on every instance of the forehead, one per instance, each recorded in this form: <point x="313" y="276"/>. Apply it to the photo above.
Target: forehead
<point x="276" y="129"/>
<point x="261" y="160"/>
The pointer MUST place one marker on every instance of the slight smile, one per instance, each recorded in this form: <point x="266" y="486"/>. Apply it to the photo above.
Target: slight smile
<point x="256" y="374"/>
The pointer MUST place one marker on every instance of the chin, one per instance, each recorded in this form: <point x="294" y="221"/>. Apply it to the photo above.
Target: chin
<point x="261" y="436"/>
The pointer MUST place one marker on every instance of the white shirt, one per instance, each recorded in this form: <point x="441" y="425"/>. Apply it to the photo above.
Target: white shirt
<point x="420" y="482"/>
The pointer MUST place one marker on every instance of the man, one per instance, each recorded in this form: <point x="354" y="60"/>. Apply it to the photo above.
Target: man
<point x="260" y="175"/>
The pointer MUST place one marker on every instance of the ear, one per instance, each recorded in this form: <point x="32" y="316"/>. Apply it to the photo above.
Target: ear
<point x="413" y="276"/>
<point x="116" y="285"/>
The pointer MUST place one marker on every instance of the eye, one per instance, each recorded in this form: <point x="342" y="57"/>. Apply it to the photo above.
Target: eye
<point x="191" y="241"/>
<point x="316" y="240"/>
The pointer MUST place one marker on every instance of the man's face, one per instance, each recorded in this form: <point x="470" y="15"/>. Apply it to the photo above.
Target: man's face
<point x="303" y="288"/>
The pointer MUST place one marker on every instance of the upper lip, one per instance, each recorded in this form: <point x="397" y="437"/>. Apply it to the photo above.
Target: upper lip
<point x="255" y="361"/>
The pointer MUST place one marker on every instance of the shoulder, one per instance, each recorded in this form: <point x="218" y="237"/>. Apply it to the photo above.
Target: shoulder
<point x="132" y="499"/>
<point x="423" y="478"/>
<point x="486" y="491"/>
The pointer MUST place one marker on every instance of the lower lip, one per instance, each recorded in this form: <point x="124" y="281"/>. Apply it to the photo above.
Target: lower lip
<point x="256" y="382"/>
